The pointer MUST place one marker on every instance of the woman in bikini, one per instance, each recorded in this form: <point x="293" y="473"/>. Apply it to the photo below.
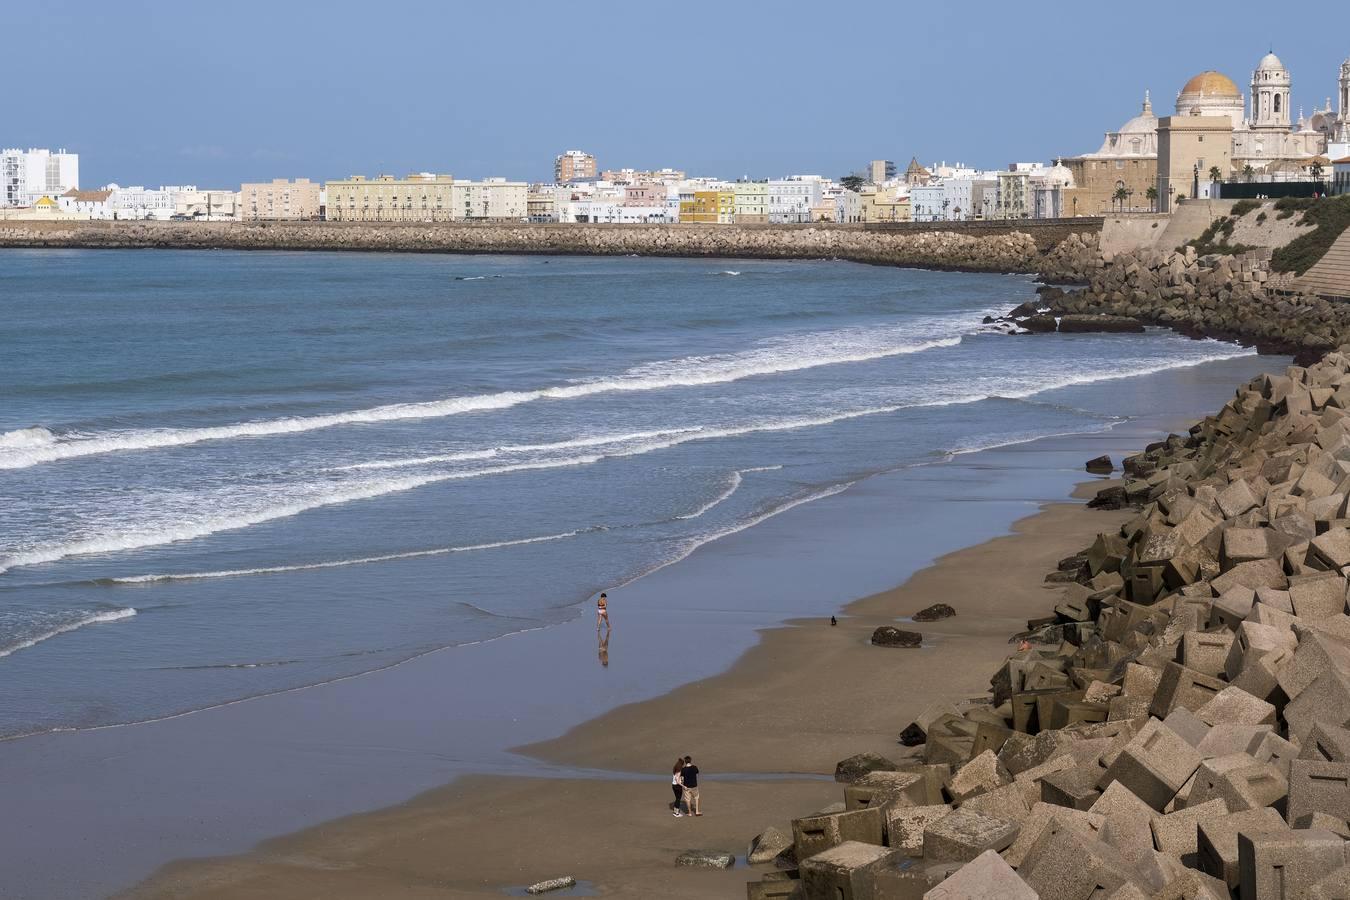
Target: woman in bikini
<point x="602" y="612"/>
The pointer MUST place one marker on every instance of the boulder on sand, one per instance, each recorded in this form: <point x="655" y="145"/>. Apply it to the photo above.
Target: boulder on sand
<point x="934" y="612"/>
<point x="706" y="859"/>
<point x="890" y="636"/>
<point x="855" y="767"/>
<point x="553" y="884"/>
<point x="1101" y="465"/>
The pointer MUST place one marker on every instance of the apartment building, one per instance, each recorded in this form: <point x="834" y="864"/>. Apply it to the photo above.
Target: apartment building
<point x="280" y="200"/>
<point x="574" y="165"/>
<point x="26" y="176"/>
<point x="425" y="197"/>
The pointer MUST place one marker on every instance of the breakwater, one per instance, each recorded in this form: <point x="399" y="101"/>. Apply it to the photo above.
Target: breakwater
<point x="980" y="250"/>
<point x="1174" y="727"/>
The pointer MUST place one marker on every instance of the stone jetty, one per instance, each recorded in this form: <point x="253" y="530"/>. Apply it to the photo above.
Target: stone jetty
<point x="973" y="250"/>
<point x="1179" y="727"/>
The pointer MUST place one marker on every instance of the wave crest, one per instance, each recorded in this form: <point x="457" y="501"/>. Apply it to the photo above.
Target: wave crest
<point x="778" y="357"/>
<point x="94" y="618"/>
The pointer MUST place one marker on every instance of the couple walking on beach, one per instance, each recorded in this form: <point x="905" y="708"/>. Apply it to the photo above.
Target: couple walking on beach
<point x="684" y="783"/>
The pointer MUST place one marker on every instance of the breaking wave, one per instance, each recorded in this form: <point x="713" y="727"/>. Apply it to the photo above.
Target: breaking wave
<point x="97" y="618"/>
<point x="777" y="357"/>
<point x="132" y="540"/>
<point x="340" y="563"/>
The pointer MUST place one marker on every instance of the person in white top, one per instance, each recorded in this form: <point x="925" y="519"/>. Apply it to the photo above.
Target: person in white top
<point x="677" y="785"/>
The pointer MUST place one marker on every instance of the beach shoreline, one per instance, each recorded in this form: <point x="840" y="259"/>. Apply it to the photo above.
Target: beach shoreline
<point x="314" y="762"/>
<point x="804" y="696"/>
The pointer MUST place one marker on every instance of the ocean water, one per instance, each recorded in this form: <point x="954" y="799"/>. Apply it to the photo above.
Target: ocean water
<point x="230" y="474"/>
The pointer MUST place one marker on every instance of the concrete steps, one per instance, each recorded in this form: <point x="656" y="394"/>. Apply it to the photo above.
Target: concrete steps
<point x="1330" y="277"/>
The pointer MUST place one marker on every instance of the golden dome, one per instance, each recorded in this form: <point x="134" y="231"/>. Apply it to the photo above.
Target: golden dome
<point x="1212" y="84"/>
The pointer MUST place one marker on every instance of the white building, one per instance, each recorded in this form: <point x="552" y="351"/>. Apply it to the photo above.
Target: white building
<point x="191" y="202"/>
<point x="616" y="212"/>
<point x="926" y="202"/>
<point x="848" y="207"/>
<point x="86" y="204"/>
<point x="138" y="202"/>
<point x="27" y="176"/>
<point x="791" y="199"/>
<point x="491" y="198"/>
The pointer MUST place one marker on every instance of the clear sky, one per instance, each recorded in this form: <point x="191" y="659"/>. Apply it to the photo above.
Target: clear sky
<point x="157" y="92"/>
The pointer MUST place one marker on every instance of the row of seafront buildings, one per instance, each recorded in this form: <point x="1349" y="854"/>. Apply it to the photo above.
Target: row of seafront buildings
<point x="1216" y="143"/>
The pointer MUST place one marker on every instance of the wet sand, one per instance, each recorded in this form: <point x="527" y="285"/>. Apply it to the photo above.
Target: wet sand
<point x="804" y="697"/>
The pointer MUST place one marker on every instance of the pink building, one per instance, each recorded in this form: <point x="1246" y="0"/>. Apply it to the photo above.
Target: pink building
<point x="644" y="195"/>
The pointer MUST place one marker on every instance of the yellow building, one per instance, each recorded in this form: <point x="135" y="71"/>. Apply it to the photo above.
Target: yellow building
<point x="883" y="206"/>
<point x="710" y="208"/>
<point x="1188" y="147"/>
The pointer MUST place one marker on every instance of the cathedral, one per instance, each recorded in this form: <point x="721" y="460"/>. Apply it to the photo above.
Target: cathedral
<point x="1266" y="137"/>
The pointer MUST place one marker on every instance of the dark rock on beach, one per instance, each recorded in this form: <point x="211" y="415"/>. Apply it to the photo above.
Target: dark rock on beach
<point x="1039" y="324"/>
<point x="850" y="770"/>
<point x="706" y="859"/>
<point x="1080" y="324"/>
<point x="1100" y="466"/>
<point x="1113" y="497"/>
<point x="890" y="636"/>
<point x="934" y="612"/>
<point x="913" y="735"/>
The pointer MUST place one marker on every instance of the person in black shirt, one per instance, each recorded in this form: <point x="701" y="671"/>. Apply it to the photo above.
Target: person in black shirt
<point x="689" y="777"/>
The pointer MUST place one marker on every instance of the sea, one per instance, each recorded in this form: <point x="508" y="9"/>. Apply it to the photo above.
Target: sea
<point x="230" y="474"/>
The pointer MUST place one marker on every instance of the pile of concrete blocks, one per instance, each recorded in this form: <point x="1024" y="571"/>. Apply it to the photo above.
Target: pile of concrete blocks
<point x="1180" y="728"/>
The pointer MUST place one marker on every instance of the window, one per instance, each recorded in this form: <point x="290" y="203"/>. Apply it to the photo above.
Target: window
<point x="1277" y="103"/>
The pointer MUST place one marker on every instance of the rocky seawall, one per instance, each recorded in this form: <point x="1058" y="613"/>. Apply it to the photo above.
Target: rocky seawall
<point x="1221" y="296"/>
<point x="1175" y="728"/>
<point x="1001" y="252"/>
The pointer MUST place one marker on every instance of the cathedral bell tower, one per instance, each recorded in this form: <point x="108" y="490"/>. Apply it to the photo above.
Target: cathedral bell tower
<point x="1270" y="95"/>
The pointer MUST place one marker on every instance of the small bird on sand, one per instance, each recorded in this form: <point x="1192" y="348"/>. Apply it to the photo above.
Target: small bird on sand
<point x="833" y="620"/>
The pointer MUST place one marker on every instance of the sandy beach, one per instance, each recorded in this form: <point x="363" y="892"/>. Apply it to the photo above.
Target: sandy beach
<point x="805" y="696"/>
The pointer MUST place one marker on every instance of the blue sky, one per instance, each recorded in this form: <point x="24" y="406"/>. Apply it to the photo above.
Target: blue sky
<point x="153" y="92"/>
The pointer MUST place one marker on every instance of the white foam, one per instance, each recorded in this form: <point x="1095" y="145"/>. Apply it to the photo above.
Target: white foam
<point x="773" y="357"/>
<point x="693" y="544"/>
<point x="340" y="563"/>
<point x="574" y="443"/>
<point x="733" y="483"/>
<point x="137" y="540"/>
<point x="24" y="438"/>
<point x="311" y="499"/>
<point x="112" y="615"/>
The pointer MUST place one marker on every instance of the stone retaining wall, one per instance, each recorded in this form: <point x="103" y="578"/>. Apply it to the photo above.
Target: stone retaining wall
<point x="1234" y="297"/>
<point x="1014" y="251"/>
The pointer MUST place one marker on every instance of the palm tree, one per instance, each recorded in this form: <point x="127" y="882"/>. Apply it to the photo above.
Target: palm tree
<point x="1248" y="172"/>
<point x="1215" y="175"/>
<point x="1120" y="195"/>
<point x="1316" y="170"/>
<point x="1152" y="195"/>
